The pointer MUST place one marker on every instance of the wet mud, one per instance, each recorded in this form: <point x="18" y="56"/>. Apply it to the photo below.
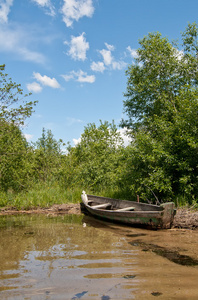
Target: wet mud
<point x="55" y="210"/>
<point x="171" y="255"/>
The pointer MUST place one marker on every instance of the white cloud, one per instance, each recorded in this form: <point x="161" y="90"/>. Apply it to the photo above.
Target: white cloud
<point x="98" y="67"/>
<point x="28" y="136"/>
<point x="19" y="40"/>
<point x="4" y="10"/>
<point x="107" y="56"/>
<point x="41" y="2"/>
<point x="14" y="41"/>
<point x="69" y="76"/>
<point x="108" y="60"/>
<point x="179" y="54"/>
<point x="79" y="76"/>
<point x="133" y="52"/>
<point x="71" y="121"/>
<point x="83" y="77"/>
<point x="34" y="87"/>
<point x="78" y="47"/>
<point x="29" y="55"/>
<point x="118" y="65"/>
<point x="76" y="141"/>
<point x="73" y="10"/>
<point x="46" y="4"/>
<point x="47" y="81"/>
<point x="110" y="47"/>
<point x="10" y="39"/>
<point x="126" y="138"/>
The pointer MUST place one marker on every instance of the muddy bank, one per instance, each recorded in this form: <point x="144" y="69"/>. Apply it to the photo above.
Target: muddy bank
<point x="56" y="209"/>
<point x="185" y="218"/>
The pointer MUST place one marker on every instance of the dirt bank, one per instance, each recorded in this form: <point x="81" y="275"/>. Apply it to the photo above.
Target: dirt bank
<point x="54" y="210"/>
<point x="185" y="218"/>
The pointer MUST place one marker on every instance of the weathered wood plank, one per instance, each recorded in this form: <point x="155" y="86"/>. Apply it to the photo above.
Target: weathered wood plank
<point x="125" y="209"/>
<point x="104" y="205"/>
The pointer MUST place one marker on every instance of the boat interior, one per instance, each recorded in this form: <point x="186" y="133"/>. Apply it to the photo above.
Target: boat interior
<point x="103" y="203"/>
<point x="109" y="206"/>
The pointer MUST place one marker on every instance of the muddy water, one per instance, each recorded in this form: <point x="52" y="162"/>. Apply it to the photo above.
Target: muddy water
<point x="76" y="257"/>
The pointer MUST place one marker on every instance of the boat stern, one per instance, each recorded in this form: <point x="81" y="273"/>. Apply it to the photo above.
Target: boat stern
<point x="169" y="212"/>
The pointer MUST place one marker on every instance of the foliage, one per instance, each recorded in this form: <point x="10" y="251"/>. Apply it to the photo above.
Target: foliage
<point x="14" y="166"/>
<point x="95" y="161"/>
<point x="14" y="150"/>
<point x="55" y="177"/>
<point x="162" y="110"/>
<point x="13" y="106"/>
<point x="47" y="157"/>
<point x="161" y="75"/>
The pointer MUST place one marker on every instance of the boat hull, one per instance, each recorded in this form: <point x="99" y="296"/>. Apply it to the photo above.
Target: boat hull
<point x="143" y="214"/>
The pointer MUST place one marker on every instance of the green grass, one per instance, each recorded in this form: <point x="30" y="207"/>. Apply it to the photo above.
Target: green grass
<point x="42" y="195"/>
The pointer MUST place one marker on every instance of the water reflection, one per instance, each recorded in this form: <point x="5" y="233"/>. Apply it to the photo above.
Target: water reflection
<point x="77" y="257"/>
<point x="57" y="257"/>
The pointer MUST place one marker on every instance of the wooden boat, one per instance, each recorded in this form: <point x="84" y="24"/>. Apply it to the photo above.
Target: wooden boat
<point x="129" y="212"/>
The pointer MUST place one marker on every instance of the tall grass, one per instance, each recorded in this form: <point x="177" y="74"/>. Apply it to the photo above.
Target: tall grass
<point x="182" y="201"/>
<point x="41" y="195"/>
<point x="44" y="195"/>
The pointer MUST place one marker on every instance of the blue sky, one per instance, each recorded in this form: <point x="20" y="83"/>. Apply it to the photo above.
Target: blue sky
<point x="72" y="55"/>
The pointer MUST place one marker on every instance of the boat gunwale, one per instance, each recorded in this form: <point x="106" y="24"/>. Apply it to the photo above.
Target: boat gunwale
<point x="156" y="208"/>
<point x="123" y="201"/>
<point x="131" y="212"/>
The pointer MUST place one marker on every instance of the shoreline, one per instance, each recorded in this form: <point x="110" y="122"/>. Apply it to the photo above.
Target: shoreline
<point x="185" y="218"/>
<point x="56" y="209"/>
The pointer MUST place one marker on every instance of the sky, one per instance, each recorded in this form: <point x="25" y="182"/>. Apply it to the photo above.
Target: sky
<point x="72" y="55"/>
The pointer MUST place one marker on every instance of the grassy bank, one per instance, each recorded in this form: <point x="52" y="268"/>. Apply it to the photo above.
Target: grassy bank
<point x="42" y="195"/>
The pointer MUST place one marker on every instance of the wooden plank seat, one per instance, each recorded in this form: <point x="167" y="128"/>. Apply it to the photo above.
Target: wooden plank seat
<point x="90" y="201"/>
<point x="125" y="209"/>
<point x="104" y="205"/>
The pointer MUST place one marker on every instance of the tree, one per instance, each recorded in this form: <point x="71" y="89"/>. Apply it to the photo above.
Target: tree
<point x="13" y="106"/>
<point x="95" y="161"/>
<point x="47" y="157"/>
<point x="162" y="73"/>
<point x="162" y="110"/>
<point x="14" y="150"/>
<point x="14" y="165"/>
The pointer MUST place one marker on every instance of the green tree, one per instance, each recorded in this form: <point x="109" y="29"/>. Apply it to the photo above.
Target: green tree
<point x="13" y="106"/>
<point x="162" y="110"/>
<point x="95" y="161"/>
<point x="14" y="150"/>
<point x="14" y="162"/>
<point x="47" y="157"/>
<point x="161" y="75"/>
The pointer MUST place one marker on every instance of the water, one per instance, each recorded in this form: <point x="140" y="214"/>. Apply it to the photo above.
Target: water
<point x="77" y="257"/>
